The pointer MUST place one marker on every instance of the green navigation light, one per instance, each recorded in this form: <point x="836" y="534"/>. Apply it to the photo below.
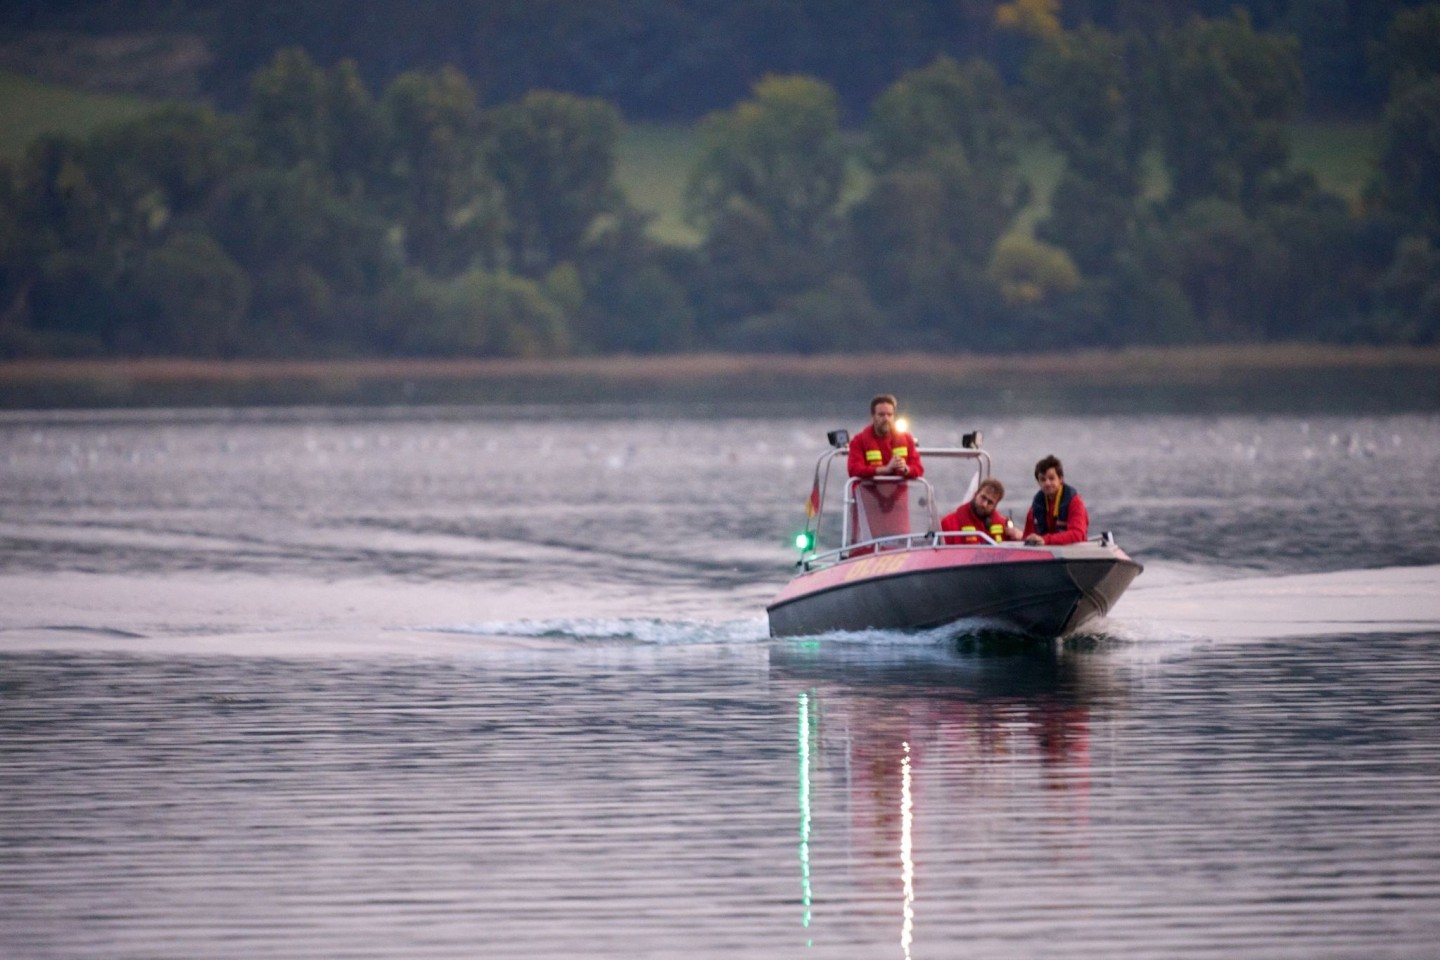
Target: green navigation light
<point x="804" y="540"/>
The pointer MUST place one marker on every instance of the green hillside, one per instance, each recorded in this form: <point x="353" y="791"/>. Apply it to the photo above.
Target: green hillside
<point x="653" y="164"/>
<point x="1341" y="155"/>
<point x="29" y="108"/>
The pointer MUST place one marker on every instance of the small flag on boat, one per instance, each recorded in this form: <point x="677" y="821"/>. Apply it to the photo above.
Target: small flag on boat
<point x="812" y="506"/>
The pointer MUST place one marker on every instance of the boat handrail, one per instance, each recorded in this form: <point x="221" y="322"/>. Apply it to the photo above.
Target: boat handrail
<point x="944" y="540"/>
<point x="820" y="490"/>
<point x="901" y="541"/>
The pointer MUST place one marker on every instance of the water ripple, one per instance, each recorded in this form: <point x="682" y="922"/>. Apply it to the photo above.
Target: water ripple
<point x="734" y="799"/>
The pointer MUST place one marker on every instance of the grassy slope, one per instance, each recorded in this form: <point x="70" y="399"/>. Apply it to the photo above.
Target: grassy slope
<point x="29" y="108"/>
<point x="1341" y="155"/>
<point x="653" y="163"/>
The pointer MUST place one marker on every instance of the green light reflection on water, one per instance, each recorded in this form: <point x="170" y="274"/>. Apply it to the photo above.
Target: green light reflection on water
<point x="804" y="738"/>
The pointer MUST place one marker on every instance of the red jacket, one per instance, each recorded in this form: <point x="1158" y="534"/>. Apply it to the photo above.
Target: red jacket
<point x="964" y="517"/>
<point x="1072" y="524"/>
<point x="869" y="452"/>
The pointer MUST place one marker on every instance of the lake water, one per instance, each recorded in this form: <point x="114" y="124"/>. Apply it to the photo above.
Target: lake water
<point x="496" y="682"/>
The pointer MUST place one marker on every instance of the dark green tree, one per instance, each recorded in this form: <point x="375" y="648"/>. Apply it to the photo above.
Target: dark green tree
<point x="315" y="262"/>
<point x="192" y="300"/>
<point x="60" y="205"/>
<point x="57" y="271"/>
<point x="18" y="261"/>
<point x="835" y="317"/>
<point x="1407" y="296"/>
<point x="164" y="167"/>
<point x="488" y="313"/>
<point x="300" y="113"/>
<point x="1226" y="96"/>
<point x="1408" y="180"/>
<point x="922" y="239"/>
<point x="766" y="190"/>
<point x="1331" y="262"/>
<point x="944" y="107"/>
<point x="288" y="115"/>
<point x="779" y="154"/>
<point x="636" y="295"/>
<point x="446" y="200"/>
<point x="745" y="267"/>
<point x="92" y="212"/>
<point x="1086" y="89"/>
<point x="1408" y="55"/>
<point x="943" y="143"/>
<point x="1229" y="266"/>
<point x="554" y="155"/>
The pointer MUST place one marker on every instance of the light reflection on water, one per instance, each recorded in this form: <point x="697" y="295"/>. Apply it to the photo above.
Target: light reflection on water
<point x="1203" y="807"/>
<point x="1261" y="800"/>
<point x="803" y="739"/>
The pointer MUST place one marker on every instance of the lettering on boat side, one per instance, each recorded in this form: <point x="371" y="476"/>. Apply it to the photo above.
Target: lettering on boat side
<point x="873" y="566"/>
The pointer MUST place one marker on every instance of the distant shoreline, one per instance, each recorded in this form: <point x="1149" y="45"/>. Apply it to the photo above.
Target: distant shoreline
<point x="1273" y="378"/>
<point x="1134" y="365"/>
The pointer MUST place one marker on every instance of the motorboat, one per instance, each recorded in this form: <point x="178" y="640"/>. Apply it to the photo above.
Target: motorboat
<point x="890" y="567"/>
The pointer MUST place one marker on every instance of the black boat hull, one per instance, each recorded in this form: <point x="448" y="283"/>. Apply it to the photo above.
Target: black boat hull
<point x="1047" y="596"/>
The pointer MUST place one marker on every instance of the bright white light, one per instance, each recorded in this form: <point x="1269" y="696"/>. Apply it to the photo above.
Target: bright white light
<point x="907" y="860"/>
<point x="902" y="424"/>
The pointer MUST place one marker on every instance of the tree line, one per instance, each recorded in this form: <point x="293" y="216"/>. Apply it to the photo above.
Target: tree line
<point x="322" y="219"/>
<point x="675" y="60"/>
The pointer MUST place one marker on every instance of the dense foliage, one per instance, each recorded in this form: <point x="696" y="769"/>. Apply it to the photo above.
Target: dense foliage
<point x="675" y="60"/>
<point x="325" y="219"/>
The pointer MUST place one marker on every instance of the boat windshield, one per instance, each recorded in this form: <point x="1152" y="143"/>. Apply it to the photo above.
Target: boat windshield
<point x="883" y="513"/>
<point x="881" y="509"/>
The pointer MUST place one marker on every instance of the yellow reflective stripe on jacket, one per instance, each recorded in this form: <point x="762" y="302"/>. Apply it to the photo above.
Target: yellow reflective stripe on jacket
<point x="872" y="456"/>
<point x="901" y="452"/>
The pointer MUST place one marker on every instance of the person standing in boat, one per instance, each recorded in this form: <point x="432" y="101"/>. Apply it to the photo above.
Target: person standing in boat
<point x="881" y="450"/>
<point x="980" y="513"/>
<point x="888" y="457"/>
<point x="1057" y="515"/>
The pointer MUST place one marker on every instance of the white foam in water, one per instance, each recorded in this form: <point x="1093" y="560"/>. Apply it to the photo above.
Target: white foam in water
<point x="1389" y="600"/>
<point x="938" y="636"/>
<point x="659" y="631"/>
<point x="637" y="630"/>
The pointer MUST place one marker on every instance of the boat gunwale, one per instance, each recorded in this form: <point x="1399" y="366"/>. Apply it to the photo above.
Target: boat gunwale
<point x="884" y="575"/>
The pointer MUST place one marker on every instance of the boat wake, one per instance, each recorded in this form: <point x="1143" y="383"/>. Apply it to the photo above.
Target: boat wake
<point x="1180" y="606"/>
<point x="1353" y="602"/>
<point x="639" y="631"/>
<point x="1168" y="607"/>
<point x="975" y="633"/>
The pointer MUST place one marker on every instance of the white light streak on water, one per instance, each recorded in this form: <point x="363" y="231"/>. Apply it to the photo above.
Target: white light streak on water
<point x="907" y="859"/>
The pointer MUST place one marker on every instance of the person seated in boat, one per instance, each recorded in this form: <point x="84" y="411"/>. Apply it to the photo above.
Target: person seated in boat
<point x="1057" y="515"/>
<point x="888" y="456"/>
<point x="980" y="513"/>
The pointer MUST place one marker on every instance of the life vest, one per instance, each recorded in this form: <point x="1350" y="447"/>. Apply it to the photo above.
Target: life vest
<point x="960" y="526"/>
<point x="1042" y="515"/>
<point x="876" y="458"/>
<point x="869" y="452"/>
